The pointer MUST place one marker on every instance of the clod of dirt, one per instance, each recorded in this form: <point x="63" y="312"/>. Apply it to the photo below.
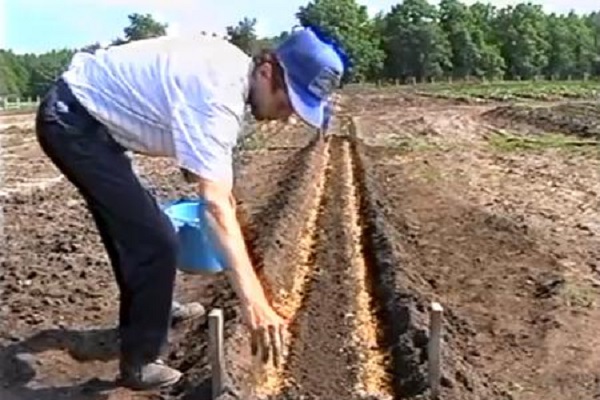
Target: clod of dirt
<point x="549" y="287"/>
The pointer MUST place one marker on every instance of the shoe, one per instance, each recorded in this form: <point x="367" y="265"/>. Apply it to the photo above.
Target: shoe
<point x="153" y="375"/>
<point x="181" y="312"/>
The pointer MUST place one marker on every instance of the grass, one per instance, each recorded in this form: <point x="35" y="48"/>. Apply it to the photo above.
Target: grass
<point x="503" y="141"/>
<point x="427" y="173"/>
<point x="578" y="295"/>
<point x="430" y="174"/>
<point x="513" y="90"/>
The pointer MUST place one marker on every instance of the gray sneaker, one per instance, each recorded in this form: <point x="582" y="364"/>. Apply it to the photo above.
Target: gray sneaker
<point x="181" y="312"/>
<point x="154" y="375"/>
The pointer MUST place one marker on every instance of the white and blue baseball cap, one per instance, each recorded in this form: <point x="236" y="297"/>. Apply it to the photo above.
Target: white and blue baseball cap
<point x="313" y="70"/>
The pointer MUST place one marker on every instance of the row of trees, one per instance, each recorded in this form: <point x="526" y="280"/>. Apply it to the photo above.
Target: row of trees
<point x="30" y="75"/>
<point x="414" y="39"/>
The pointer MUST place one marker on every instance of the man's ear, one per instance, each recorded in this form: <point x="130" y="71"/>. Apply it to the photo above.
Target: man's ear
<point x="266" y="70"/>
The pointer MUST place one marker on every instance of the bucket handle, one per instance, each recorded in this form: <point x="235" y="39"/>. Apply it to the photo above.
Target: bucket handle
<point x="179" y="222"/>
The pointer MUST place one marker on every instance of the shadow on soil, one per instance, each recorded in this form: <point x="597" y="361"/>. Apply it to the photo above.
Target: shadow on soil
<point x="17" y="363"/>
<point x="17" y="368"/>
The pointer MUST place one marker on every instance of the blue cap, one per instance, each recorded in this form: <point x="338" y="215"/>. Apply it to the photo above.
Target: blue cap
<point x="313" y="69"/>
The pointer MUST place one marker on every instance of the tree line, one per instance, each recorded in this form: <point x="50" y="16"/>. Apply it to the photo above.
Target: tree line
<point x="413" y="41"/>
<point x="418" y="40"/>
<point x="30" y="75"/>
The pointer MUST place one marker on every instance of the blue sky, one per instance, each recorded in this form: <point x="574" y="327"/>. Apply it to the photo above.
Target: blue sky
<point x="40" y="25"/>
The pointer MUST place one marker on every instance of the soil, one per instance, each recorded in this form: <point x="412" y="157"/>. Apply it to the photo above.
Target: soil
<point x="14" y="119"/>
<point x="330" y="298"/>
<point x="507" y="241"/>
<point x="411" y="201"/>
<point x="581" y="118"/>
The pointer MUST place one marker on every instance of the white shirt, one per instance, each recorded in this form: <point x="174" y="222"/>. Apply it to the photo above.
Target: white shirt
<point x="177" y="97"/>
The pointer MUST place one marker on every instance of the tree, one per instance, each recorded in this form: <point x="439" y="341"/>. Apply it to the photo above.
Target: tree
<point x="349" y="24"/>
<point x="415" y="43"/>
<point x="522" y="34"/>
<point x="91" y="48"/>
<point x="141" y="26"/>
<point x="593" y="21"/>
<point x="455" y="20"/>
<point x="272" y="42"/>
<point x="490" y="63"/>
<point x="9" y="82"/>
<point x="14" y="72"/>
<point x="582" y="42"/>
<point x="45" y="69"/>
<point x="244" y="35"/>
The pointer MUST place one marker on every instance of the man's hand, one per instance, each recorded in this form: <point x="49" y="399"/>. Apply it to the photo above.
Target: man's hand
<point x="267" y="328"/>
<point x="268" y="332"/>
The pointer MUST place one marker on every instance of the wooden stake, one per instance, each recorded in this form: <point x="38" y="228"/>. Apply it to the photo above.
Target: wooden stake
<point x="215" y="327"/>
<point x="434" y="349"/>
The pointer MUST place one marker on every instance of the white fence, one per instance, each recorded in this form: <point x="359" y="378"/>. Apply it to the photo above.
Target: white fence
<point x="7" y="104"/>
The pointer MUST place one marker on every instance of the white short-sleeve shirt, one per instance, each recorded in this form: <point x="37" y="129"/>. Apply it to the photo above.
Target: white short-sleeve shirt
<point x="177" y="97"/>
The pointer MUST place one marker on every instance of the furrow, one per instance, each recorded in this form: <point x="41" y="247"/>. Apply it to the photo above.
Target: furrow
<point x="373" y="377"/>
<point x="335" y="337"/>
<point x="268" y="380"/>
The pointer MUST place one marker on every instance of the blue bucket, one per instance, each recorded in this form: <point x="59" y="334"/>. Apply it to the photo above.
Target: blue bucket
<point x="197" y="253"/>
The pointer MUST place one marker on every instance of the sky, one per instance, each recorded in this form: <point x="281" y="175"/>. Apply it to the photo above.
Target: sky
<point x="40" y="25"/>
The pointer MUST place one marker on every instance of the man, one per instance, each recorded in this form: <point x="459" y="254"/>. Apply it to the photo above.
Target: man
<point x="185" y="99"/>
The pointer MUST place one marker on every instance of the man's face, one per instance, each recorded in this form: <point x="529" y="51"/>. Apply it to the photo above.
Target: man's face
<point x="267" y="101"/>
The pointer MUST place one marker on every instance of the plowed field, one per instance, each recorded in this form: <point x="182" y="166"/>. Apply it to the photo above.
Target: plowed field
<point x="490" y="210"/>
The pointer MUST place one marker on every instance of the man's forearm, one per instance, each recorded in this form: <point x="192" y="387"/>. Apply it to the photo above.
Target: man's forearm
<point x="228" y="234"/>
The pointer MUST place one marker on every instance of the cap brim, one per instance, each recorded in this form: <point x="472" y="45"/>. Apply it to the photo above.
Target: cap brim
<point x="307" y="107"/>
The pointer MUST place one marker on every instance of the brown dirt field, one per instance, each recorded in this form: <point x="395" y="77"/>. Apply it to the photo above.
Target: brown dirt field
<point x="25" y="168"/>
<point x="413" y="200"/>
<point x="57" y="291"/>
<point x="506" y="240"/>
<point x="23" y="111"/>
<point x="17" y="119"/>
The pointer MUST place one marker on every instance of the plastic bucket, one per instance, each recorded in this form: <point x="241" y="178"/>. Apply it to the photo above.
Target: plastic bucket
<point x="197" y="253"/>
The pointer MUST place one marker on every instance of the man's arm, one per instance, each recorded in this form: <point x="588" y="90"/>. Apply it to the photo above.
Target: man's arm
<point x="221" y="215"/>
<point x="204" y="137"/>
<point x="266" y="326"/>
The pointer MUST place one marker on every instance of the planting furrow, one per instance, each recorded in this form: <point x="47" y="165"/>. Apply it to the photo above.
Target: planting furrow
<point x="272" y="227"/>
<point x="334" y="344"/>
<point x="373" y="378"/>
<point x="322" y="357"/>
<point x="289" y="299"/>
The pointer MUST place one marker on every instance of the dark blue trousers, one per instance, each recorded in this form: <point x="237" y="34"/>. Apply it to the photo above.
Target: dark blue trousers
<point x="138" y="237"/>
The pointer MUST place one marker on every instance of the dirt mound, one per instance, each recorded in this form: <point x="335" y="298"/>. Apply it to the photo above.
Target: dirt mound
<point x="406" y="293"/>
<point x="582" y="119"/>
<point x="499" y="249"/>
